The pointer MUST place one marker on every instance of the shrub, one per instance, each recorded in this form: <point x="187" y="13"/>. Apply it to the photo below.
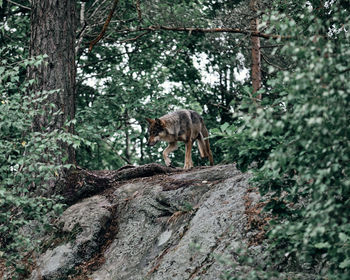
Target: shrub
<point x="306" y="166"/>
<point x="28" y="167"/>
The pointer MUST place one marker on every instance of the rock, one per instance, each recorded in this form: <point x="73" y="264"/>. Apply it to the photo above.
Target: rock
<point x="173" y="225"/>
<point x="173" y="234"/>
<point x="83" y="223"/>
<point x="91" y="216"/>
<point x="55" y="263"/>
<point x="218" y="172"/>
<point x="217" y="223"/>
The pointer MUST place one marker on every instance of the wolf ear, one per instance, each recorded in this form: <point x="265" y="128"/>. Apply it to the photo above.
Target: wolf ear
<point x="149" y="120"/>
<point x="161" y="122"/>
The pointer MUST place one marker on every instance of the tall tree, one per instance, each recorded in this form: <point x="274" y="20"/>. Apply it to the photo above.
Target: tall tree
<point x="256" y="60"/>
<point x="53" y="27"/>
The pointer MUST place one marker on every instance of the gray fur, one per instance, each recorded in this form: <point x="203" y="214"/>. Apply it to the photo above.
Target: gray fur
<point x="180" y="121"/>
<point x="182" y="125"/>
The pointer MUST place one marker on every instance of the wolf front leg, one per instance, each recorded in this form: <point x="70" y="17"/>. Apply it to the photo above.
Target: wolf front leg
<point x="188" y="155"/>
<point x="171" y="147"/>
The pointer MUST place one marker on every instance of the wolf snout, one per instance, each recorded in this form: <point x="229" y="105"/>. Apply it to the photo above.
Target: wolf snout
<point x="151" y="143"/>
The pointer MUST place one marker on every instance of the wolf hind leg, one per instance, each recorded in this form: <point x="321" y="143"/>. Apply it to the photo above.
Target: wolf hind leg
<point x="202" y="146"/>
<point x="210" y="155"/>
<point x="206" y="146"/>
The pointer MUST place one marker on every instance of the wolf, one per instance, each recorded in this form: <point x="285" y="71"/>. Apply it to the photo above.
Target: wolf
<point x="181" y="125"/>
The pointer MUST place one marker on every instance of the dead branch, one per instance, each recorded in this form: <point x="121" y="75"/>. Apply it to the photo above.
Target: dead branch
<point x="19" y="5"/>
<point x="264" y="57"/>
<point x="138" y="8"/>
<point x="105" y="26"/>
<point x="135" y="38"/>
<point x="271" y="46"/>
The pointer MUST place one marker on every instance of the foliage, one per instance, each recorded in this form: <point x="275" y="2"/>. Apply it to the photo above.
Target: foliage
<point x="240" y="142"/>
<point x="306" y="132"/>
<point x="296" y="138"/>
<point x="315" y="152"/>
<point x="27" y="168"/>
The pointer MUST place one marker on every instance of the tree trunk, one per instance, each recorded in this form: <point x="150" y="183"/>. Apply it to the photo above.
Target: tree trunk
<point x="127" y="137"/>
<point x="141" y="144"/>
<point x="256" y="56"/>
<point x="53" y="27"/>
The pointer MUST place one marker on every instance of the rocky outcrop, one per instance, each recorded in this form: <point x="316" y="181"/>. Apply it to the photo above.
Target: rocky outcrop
<point x="180" y="225"/>
<point x="174" y="227"/>
<point x="82" y="225"/>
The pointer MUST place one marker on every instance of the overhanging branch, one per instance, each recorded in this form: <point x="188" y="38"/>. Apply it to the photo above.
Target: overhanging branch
<point x="19" y="5"/>
<point x="206" y="30"/>
<point x="176" y="29"/>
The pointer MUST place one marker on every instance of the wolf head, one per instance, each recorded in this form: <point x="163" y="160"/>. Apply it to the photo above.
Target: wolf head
<point x="156" y="130"/>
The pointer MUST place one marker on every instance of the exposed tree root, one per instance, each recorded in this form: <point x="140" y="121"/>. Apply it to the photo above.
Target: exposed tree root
<point x="80" y="183"/>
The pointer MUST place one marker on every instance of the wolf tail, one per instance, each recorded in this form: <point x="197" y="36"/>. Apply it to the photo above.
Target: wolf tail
<point x="203" y="144"/>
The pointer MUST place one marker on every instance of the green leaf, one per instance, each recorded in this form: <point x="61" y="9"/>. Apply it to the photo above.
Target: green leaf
<point x="343" y="237"/>
<point x="345" y="263"/>
<point x="322" y="245"/>
<point x="224" y="126"/>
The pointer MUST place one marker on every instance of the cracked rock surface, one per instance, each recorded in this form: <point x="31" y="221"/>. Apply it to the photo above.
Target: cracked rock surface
<point x="176" y="228"/>
<point x="182" y="225"/>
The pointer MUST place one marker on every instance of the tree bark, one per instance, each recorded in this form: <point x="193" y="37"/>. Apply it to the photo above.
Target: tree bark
<point x="53" y="27"/>
<point x="256" y="55"/>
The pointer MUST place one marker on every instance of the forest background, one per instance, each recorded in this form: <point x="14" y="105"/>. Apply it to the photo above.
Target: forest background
<point x="270" y="78"/>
